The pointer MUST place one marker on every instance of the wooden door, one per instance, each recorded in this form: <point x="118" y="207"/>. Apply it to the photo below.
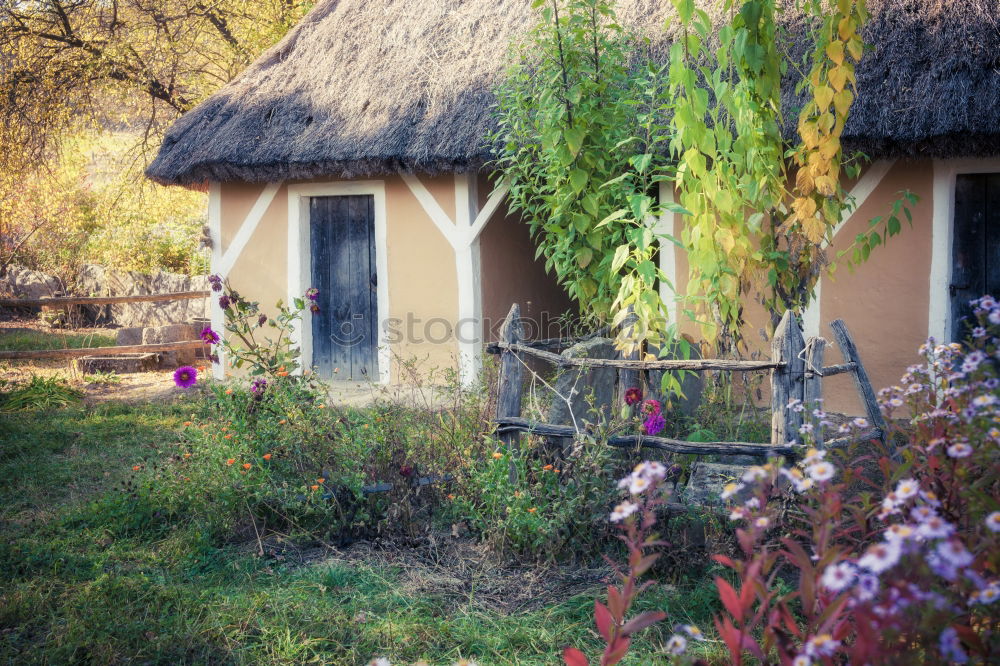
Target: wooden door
<point x="345" y="331"/>
<point x="975" y="246"/>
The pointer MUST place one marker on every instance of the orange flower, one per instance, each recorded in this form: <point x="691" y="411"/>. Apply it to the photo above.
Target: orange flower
<point x="282" y="422"/>
<point x="556" y="471"/>
<point x="320" y="480"/>
<point x="224" y="428"/>
<point x="267" y="456"/>
<point x="321" y="406"/>
<point x="187" y="455"/>
<point x="228" y="436"/>
<point x="229" y="391"/>
<point x="187" y="478"/>
<point x="307" y="371"/>
<point x="136" y="468"/>
<point x="314" y="487"/>
<point x="247" y="465"/>
<point x="188" y="424"/>
<point x="547" y="468"/>
<point x="532" y="510"/>
<point x="451" y="497"/>
<point x="281" y="369"/>
<point x="282" y="373"/>
<point x="497" y="455"/>
<point x="231" y="461"/>
<point x="517" y="493"/>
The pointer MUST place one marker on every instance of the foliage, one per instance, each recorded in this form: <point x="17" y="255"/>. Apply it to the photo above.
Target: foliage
<point x="38" y="393"/>
<point x="908" y="575"/>
<point x="35" y="339"/>
<point x="575" y="127"/>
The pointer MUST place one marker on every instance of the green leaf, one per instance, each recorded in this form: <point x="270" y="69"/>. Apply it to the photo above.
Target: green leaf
<point x="574" y="140"/>
<point x="578" y="180"/>
<point x="584" y="255"/>
<point x="621" y="256"/>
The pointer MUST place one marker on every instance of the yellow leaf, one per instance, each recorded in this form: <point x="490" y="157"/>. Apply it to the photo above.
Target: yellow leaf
<point x="842" y="101"/>
<point x="823" y="96"/>
<point x="809" y="133"/>
<point x="835" y="51"/>
<point x="838" y="78"/>
<point x="825" y="122"/>
<point x="846" y="28"/>
<point x="855" y="48"/>
<point x="804" y="181"/>
<point x="829" y="148"/>
<point x="804" y="208"/>
<point x="725" y="239"/>
<point x="826" y="186"/>
<point x="814" y="229"/>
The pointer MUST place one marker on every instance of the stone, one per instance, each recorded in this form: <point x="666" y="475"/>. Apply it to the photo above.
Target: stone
<point x="579" y="384"/>
<point x="707" y="481"/>
<point x="96" y="280"/>
<point x="156" y="335"/>
<point x="120" y="364"/>
<point x="129" y="336"/>
<point x="21" y="282"/>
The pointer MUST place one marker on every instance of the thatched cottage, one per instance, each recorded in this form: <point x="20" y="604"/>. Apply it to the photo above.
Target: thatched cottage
<point x="350" y="157"/>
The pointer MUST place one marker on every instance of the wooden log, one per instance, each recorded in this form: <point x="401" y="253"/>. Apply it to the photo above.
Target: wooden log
<point x="832" y="370"/>
<point x="812" y="385"/>
<point x="419" y="483"/>
<point x="511" y="380"/>
<point x="98" y="351"/>
<point x="551" y="343"/>
<point x="628" y="377"/>
<point x="786" y="380"/>
<point x="864" y="385"/>
<point x="100" y="300"/>
<point x="678" y="364"/>
<point x="864" y="436"/>
<point x="511" y="424"/>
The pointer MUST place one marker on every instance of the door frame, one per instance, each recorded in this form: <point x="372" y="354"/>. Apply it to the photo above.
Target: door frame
<point x="943" y="228"/>
<point x="300" y="259"/>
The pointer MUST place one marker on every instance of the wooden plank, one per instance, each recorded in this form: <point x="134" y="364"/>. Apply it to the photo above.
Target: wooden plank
<point x="99" y="351"/>
<point x="511" y="380"/>
<point x="786" y="380"/>
<point x="968" y="272"/>
<point x="101" y="300"/>
<point x="514" y="424"/>
<point x="358" y="287"/>
<point x="812" y="387"/>
<point x="832" y="370"/>
<point x="850" y="353"/>
<point x="319" y="239"/>
<point x="551" y="343"/>
<point x="992" y="245"/>
<point x="628" y="377"/>
<point x="372" y="284"/>
<point x="695" y="364"/>
<point x="340" y="301"/>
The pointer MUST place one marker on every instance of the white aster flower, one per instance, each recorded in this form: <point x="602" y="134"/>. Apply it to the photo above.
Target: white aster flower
<point x="379" y="661"/>
<point x="993" y="521"/>
<point x="677" y="644"/>
<point x="693" y="631"/>
<point x="899" y="532"/>
<point x="860" y="422"/>
<point x="623" y="511"/>
<point x="802" y="660"/>
<point x="821" y="471"/>
<point x="880" y="557"/>
<point x="960" y="450"/>
<point x="954" y="553"/>
<point x="907" y="488"/>
<point x="638" y="484"/>
<point x="935" y="527"/>
<point x="922" y="513"/>
<point x="731" y="489"/>
<point x="838" y="576"/>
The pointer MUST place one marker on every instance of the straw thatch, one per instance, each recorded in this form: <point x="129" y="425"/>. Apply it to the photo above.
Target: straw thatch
<point x="362" y="87"/>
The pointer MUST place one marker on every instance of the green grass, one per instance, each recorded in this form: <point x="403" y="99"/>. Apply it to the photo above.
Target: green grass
<point x="21" y="340"/>
<point x="78" y="587"/>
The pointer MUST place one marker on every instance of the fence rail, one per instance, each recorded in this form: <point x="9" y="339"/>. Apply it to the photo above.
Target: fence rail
<point x="100" y="300"/>
<point x="21" y="355"/>
<point x="796" y="372"/>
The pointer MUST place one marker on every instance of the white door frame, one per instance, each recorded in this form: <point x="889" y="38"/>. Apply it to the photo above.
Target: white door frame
<point x="300" y="259"/>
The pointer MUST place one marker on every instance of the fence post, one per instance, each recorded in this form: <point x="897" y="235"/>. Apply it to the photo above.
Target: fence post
<point x="812" y="387"/>
<point x="786" y="380"/>
<point x="627" y="378"/>
<point x="510" y="383"/>
<point x="850" y="353"/>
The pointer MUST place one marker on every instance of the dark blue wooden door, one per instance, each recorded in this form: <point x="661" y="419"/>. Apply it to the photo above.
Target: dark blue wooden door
<point x="345" y="331"/>
<point x="975" y="246"/>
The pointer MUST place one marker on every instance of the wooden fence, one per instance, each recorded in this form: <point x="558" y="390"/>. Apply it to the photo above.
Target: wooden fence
<point x="796" y="371"/>
<point x="57" y="301"/>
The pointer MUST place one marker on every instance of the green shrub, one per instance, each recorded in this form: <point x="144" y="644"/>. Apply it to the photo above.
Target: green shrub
<point x="39" y="393"/>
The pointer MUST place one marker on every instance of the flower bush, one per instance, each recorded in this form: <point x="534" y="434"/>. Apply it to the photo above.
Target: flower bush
<point x="903" y="572"/>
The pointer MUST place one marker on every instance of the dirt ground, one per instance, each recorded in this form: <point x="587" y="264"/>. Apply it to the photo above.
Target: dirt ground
<point x="129" y="387"/>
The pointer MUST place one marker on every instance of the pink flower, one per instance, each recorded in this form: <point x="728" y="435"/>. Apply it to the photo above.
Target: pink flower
<point x="633" y="396"/>
<point x="185" y="376"/>
<point x="651" y="407"/>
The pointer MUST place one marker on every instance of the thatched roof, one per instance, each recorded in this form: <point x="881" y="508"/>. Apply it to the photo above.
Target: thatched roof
<point x="361" y="87"/>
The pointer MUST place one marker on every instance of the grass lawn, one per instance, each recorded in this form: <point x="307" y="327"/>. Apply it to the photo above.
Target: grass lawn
<point x="83" y="586"/>
<point x="22" y="339"/>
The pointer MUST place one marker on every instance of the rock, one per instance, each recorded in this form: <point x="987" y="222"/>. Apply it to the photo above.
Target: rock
<point x="95" y="280"/>
<point x="692" y="385"/>
<point x="20" y="282"/>
<point x="156" y="335"/>
<point x="578" y="384"/>
<point x="120" y="364"/>
<point x="129" y="336"/>
<point x="707" y="482"/>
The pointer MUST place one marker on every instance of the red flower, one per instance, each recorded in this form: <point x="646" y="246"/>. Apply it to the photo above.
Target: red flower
<point x="633" y="396"/>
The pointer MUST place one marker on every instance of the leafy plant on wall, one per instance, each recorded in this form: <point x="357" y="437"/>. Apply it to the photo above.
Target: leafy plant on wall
<point x="586" y="128"/>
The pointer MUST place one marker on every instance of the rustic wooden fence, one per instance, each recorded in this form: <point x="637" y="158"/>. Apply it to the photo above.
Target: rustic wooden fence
<point x="796" y="371"/>
<point x="58" y="301"/>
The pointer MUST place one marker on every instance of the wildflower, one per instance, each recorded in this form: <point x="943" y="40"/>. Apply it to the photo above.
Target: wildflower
<point x="638" y="484"/>
<point x="822" y="645"/>
<point x="881" y="557"/>
<point x="693" y="631"/>
<point x="406" y="471"/>
<point x="922" y="513"/>
<point x="676" y="645"/>
<point x="229" y="391"/>
<point x="497" y="455"/>
<point x="806" y="428"/>
<point x="960" y="450"/>
<point x="379" y="661"/>
<point x="209" y="336"/>
<point x="633" y="396"/>
<point x="266" y="456"/>
<point x="320" y="480"/>
<point x="224" y="302"/>
<point x="282" y="422"/>
<point x="258" y="385"/>
<point x="752" y="503"/>
<point x="987" y="595"/>
<point x="935" y="528"/>
<point x="860" y="422"/>
<point x="867" y="587"/>
<point x="802" y="660"/>
<point x="838" y="576"/>
<point x="314" y="487"/>
<point x="930" y="497"/>
<point x="654" y="424"/>
<point x="312" y="293"/>
<point x="136" y="468"/>
<point x="451" y="496"/>
<point x="993" y="521"/>
<point x="951" y="648"/>
<point x="547" y="468"/>
<point x="623" y="511"/>
<point x="906" y="489"/>
<point x="731" y="489"/>
<point x="185" y="376"/>
<point x="753" y="474"/>
<point x="187" y="424"/>
<point x="899" y="532"/>
<point x="813" y="456"/>
<point x="247" y="465"/>
<point x="229" y="436"/>
<point x="231" y="461"/>
<point x="216" y="282"/>
<point x="314" y="308"/>
<point x="954" y="553"/>
<point x="895" y="402"/>
<point x="262" y="319"/>
<point x="795" y="405"/>
<point x="650" y="407"/>
<point x="532" y="510"/>
<point x="187" y="455"/>
<point x="984" y="400"/>
<point x="762" y="522"/>
<point x="821" y="471"/>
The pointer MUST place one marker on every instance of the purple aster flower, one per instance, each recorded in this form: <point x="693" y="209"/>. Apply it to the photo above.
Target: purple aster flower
<point x="185" y="376"/>
<point x="951" y="648"/>
<point x="209" y="336"/>
<point x="216" y="282"/>
<point x="262" y="319"/>
<point x="224" y="302"/>
<point x="214" y="358"/>
<point x="654" y="423"/>
<point x="258" y="385"/>
<point x="314" y="308"/>
<point x="312" y="293"/>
